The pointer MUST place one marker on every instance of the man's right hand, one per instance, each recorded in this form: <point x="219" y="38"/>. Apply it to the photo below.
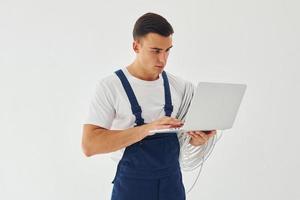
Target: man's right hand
<point x="162" y="123"/>
<point x="97" y="140"/>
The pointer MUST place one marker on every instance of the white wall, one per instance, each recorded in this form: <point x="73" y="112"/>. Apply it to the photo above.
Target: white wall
<point x="53" y="52"/>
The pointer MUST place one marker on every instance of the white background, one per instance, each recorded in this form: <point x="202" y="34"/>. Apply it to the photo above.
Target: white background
<point x="53" y="52"/>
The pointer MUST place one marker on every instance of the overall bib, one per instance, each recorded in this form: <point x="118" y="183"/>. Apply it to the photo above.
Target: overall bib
<point x="149" y="169"/>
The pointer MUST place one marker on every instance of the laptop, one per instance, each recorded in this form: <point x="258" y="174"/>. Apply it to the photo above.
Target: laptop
<point x="213" y="107"/>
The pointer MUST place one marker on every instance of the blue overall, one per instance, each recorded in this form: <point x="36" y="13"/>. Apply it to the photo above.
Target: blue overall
<point x="149" y="169"/>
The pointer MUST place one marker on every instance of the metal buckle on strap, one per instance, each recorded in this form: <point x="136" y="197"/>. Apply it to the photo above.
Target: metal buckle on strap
<point x="137" y="111"/>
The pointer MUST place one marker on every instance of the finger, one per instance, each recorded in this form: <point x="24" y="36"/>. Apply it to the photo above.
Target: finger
<point x="172" y="122"/>
<point x="162" y="120"/>
<point x="165" y="121"/>
<point x="192" y="134"/>
<point x="203" y="135"/>
<point x="189" y="133"/>
<point x="171" y="119"/>
<point x="212" y="133"/>
<point x="197" y="135"/>
<point x="197" y="138"/>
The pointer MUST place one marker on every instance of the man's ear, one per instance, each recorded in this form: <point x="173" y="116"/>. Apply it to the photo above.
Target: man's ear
<point x="136" y="46"/>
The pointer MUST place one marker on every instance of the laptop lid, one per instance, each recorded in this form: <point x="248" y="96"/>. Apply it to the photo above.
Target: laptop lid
<point x="214" y="106"/>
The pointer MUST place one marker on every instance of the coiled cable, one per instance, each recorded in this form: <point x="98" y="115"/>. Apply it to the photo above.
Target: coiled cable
<point x="192" y="157"/>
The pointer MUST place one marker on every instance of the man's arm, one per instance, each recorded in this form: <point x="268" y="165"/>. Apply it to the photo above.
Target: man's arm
<point x="97" y="140"/>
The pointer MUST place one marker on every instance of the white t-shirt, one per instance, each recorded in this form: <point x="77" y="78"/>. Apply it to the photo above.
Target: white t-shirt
<point x="110" y="107"/>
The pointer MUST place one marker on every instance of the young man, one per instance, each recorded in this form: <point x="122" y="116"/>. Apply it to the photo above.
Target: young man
<point x="128" y="104"/>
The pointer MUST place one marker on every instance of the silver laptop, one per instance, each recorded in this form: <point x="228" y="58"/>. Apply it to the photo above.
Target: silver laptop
<point x="214" y="107"/>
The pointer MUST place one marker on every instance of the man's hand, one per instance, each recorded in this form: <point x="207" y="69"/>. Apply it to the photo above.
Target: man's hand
<point x="162" y="123"/>
<point x="200" y="137"/>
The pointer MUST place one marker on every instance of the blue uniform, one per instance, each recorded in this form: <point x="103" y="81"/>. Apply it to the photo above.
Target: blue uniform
<point x="149" y="169"/>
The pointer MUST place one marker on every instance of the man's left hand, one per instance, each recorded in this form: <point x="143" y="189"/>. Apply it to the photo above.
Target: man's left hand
<point x="200" y="137"/>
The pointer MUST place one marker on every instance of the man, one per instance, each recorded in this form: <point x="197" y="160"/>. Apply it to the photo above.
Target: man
<point x="131" y="102"/>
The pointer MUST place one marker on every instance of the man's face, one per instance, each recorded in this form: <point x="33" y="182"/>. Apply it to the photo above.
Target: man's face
<point x="153" y="51"/>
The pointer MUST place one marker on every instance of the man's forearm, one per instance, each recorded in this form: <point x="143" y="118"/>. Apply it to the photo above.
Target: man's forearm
<point x="105" y="141"/>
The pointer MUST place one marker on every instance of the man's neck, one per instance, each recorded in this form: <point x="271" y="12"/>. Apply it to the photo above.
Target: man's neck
<point x="139" y="72"/>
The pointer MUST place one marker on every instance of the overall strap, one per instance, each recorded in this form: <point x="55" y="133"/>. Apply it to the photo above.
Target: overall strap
<point x="135" y="107"/>
<point x="168" y="100"/>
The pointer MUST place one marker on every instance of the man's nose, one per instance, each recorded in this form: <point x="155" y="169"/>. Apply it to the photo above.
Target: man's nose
<point x="162" y="57"/>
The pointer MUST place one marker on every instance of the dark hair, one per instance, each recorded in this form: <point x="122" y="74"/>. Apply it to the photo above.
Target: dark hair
<point x="152" y="23"/>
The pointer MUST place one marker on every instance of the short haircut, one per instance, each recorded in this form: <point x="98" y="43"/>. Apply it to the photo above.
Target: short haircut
<point x="152" y="23"/>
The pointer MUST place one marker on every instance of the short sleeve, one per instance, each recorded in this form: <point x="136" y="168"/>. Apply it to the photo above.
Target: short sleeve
<point x="101" y="111"/>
